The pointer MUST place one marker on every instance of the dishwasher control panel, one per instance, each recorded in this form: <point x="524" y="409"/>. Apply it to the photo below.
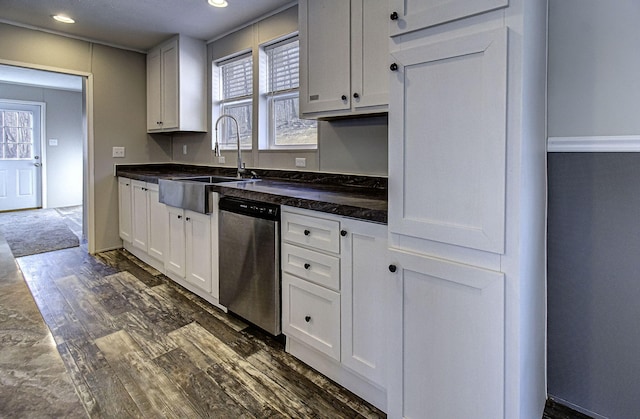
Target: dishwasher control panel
<point x="251" y="208"/>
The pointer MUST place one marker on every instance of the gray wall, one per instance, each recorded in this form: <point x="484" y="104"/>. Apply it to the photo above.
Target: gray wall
<point x="347" y="146"/>
<point x="119" y="109"/>
<point x="63" y="121"/>
<point x="594" y="202"/>
<point x="594" y="65"/>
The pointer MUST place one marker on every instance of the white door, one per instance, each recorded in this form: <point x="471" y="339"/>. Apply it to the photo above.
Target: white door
<point x="20" y="158"/>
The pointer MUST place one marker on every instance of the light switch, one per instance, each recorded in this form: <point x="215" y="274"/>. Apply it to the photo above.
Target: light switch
<point x="53" y="142"/>
<point x="301" y="162"/>
<point x="117" y="152"/>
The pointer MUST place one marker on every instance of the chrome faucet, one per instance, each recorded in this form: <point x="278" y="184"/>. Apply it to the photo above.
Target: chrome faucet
<point x="216" y="148"/>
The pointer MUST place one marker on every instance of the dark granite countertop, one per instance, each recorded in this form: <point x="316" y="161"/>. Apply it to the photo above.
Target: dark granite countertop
<point x="361" y="197"/>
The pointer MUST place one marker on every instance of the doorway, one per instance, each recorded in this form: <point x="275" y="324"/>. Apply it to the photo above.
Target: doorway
<point x="59" y="128"/>
<point x="20" y="155"/>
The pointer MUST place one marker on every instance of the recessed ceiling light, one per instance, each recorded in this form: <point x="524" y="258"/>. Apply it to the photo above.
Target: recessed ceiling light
<point x="218" y="3"/>
<point x="63" y="19"/>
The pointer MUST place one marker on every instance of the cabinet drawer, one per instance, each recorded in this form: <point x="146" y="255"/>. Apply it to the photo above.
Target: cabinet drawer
<point x="313" y="266"/>
<point x="318" y="233"/>
<point x="311" y="314"/>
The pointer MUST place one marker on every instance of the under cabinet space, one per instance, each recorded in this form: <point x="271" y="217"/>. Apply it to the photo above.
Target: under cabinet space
<point x="311" y="314"/>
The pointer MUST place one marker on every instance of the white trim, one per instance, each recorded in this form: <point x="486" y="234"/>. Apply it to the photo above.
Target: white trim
<point x="66" y="35"/>
<point x="594" y="144"/>
<point x="88" y="194"/>
<point x="256" y="20"/>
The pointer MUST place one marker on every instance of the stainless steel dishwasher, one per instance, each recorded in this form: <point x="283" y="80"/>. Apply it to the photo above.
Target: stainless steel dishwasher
<point x="249" y="261"/>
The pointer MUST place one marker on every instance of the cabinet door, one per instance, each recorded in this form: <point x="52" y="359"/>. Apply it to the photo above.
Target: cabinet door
<point x="364" y="299"/>
<point x="369" y="54"/>
<point x="447" y="141"/>
<point x="417" y="14"/>
<point x="157" y="223"/>
<point x="170" y="85"/>
<point x="140" y="238"/>
<point x="154" y="83"/>
<point x="446" y="347"/>
<point x="198" y="249"/>
<point x="324" y="55"/>
<point x="175" y="250"/>
<point x="124" y="209"/>
<point x="311" y="314"/>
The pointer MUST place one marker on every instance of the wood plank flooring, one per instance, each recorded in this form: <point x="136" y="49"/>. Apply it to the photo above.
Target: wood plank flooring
<point x="137" y="345"/>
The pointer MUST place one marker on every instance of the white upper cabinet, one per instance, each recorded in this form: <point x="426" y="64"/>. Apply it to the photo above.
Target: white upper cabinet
<point x="176" y="86"/>
<point x="411" y="15"/>
<point x="343" y="57"/>
<point x="447" y="174"/>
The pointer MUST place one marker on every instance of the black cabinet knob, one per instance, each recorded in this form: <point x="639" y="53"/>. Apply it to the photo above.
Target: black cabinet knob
<point x="307" y="319"/>
<point x="343" y="233"/>
<point x="307" y="232"/>
<point x="179" y="217"/>
<point x="393" y="268"/>
<point x="393" y="67"/>
<point x="307" y="266"/>
<point x="188" y="219"/>
<point x="344" y="97"/>
<point x="394" y="16"/>
<point x="356" y="96"/>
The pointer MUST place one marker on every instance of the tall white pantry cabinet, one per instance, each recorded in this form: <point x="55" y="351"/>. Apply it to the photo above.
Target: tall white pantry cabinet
<point x="467" y="199"/>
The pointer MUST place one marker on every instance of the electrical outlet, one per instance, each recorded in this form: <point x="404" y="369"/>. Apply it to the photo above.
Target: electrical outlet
<point x="184" y="149"/>
<point x="117" y="152"/>
<point x="301" y="162"/>
<point x="221" y="159"/>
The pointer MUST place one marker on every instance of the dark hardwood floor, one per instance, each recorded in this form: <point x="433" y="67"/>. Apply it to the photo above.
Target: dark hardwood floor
<point x="133" y="344"/>
<point x="137" y="345"/>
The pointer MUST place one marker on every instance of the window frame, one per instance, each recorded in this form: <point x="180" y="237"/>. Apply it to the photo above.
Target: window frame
<point x="218" y="103"/>
<point x="268" y="98"/>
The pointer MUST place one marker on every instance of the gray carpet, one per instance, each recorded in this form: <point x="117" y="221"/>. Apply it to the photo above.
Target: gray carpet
<point x="36" y="231"/>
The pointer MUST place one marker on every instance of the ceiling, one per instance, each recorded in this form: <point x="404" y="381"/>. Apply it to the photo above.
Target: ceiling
<point x="137" y="24"/>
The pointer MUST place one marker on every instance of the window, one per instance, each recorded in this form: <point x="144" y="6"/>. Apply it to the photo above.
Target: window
<point x="235" y="98"/>
<point x="16" y="128"/>
<point x="286" y="130"/>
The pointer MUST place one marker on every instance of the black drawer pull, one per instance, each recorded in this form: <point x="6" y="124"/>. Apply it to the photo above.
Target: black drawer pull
<point x="307" y="319"/>
<point x="394" y="16"/>
<point x="307" y="266"/>
<point x="393" y="268"/>
<point x="307" y="232"/>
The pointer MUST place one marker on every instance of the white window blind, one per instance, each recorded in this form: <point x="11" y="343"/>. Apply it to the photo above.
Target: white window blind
<point x="286" y="130"/>
<point x="235" y="99"/>
<point x="237" y="78"/>
<point x="283" y="66"/>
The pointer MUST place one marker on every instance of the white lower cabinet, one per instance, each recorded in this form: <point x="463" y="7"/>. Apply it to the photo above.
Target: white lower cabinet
<point x="189" y="252"/>
<point x="124" y="209"/>
<point x="140" y="215"/>
<point x="180" y="243"/>
<point x="447" y="339"/>
<point x="335" y="285"/>
<point x="312" y="315"/>
<point x="198" y="250"/>
<point x="143" y="222"/>
<point x="175" y="258"/>
<point x="365" y="291"/>
<point x="158" y="227"/>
